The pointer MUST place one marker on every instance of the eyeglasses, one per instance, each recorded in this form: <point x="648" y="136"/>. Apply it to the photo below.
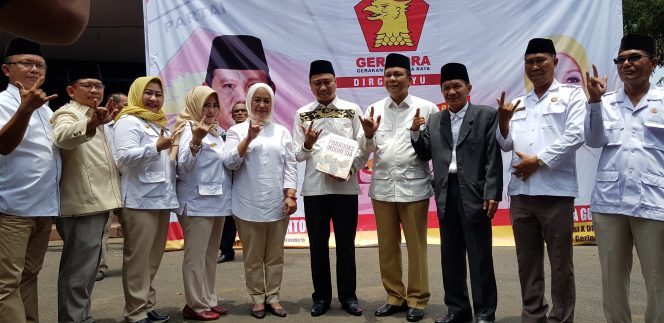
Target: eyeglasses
<point x="89" y="85"/>
<point x="631" y="58"/>
<point x="240" y="111"/>
<point x="29" y="65"/>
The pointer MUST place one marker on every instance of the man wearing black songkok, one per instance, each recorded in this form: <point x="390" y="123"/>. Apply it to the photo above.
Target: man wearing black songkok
<point x="468" y="176"/>
<point x="236" y="63"/>
<point x="29" y="191"/>
<point x="628" y="200"/>
<point x="328" y="198"/>
<point x="543" y="135"/>
<point x="400" y="190"/>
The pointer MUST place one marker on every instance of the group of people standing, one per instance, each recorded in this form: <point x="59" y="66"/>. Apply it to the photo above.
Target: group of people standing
<point x="86" y="160"/>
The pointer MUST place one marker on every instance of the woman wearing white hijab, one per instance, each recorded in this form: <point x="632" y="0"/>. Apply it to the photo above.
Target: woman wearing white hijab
<point x="261" y="154"/>
<point x="204" y="191"/>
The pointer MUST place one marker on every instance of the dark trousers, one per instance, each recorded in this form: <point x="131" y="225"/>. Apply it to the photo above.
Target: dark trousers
<point x="228" y="237"/>
<point x="536" y="220"/>
<point x="342" y="210"/>
<point x="460" y="236"/>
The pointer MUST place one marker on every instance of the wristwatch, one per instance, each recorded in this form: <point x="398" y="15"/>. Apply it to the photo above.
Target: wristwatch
<point x="195" y="147"/>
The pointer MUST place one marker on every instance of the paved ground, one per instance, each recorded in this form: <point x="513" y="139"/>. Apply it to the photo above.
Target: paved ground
<point x="108" y="298"/>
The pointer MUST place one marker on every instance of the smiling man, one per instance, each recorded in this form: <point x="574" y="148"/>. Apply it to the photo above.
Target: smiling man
<point x="78" y="130"/>
<point x="628" y="199"/>
<point x="29" y="193"/>
<point x="468" y="171"/>
<point x="543" y="136"/>
<point x="328" y="198"/>
<point x="400" y="190"/>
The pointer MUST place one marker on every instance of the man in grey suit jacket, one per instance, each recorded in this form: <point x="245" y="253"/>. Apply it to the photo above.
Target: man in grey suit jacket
<point x="468" y="185"/>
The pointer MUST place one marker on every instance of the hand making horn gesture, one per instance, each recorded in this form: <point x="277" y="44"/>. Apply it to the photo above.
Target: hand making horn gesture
<point x="101" y="115"/>
<point x="253" y="131"/>
<point x="369" y="125"/>
<point x="163" y="142"/>
<point x="199" y="131"/>
<point x="505" y="113"/>
<point x="310" y="136"/>
<point x="34" y="97"/>
<point x="417" y="121"/>
<point x="596" y="86"/>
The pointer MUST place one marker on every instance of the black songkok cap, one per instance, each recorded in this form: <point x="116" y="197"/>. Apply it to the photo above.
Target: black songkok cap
<point x="397" y="60"/>
<point x="236" y="52"/>
<point x="19" y="46"/>
<point x="83" y="71"/>
<point x="540" y="45"/>
<point x="320" y="67"/>
<point x="453" y="71"/>
<point x="638" y="41"/>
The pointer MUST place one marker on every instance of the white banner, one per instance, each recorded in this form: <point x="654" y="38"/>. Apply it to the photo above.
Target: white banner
<point x="488" y="36"/>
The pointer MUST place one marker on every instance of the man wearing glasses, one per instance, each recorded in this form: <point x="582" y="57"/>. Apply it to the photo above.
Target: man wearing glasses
<point x="29" y="175"/>
<point x="543" y="135"/>
<point x="628" y="199"/>
<point x="89" y="188"/>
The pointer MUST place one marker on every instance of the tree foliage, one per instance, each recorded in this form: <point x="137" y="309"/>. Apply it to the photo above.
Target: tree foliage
<point x="645" y="17"/>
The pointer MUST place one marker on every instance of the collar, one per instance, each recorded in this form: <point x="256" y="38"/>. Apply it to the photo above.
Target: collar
<point x="654" y="94"/>
<point x="461" y="112"/>
<point x="553" y="88"/>
<point x="406" y="103"/>
<point x="318" y="105"/>
<point x="82" y="108"/>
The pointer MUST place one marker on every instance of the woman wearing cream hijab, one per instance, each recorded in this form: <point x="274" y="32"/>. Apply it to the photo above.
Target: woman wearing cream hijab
<point x="147" y="184"/>
<point x="261" y="154"/>
<point x="204" y="191"/>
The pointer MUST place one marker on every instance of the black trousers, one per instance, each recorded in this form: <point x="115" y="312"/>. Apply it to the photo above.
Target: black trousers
<point x="342" y="210"/>
<point x="460" y="236"/>
<point x="228" y="237"/>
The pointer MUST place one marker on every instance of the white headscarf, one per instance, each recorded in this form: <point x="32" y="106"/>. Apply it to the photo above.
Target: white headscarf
<point x="250" y="95"/>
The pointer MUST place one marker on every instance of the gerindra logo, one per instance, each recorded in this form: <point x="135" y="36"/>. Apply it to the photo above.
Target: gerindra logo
<point x="391" y="25"/>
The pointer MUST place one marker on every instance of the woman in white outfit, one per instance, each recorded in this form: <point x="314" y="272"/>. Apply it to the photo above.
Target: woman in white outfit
<point x="147" y="184"/>
<point x="261" y="154"/>
<point x="204" y="191"/>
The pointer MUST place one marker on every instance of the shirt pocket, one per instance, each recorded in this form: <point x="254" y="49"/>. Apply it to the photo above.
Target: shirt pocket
<point x="613" y="130"/>
<point x="343" y="126"/>
<point x="653" y="135"/>
<point x="607" y="188"/>
<point x="384" y="133"/>
<point x="211" y="173"/>
<point x="518" y="123"/>
<point x="554" y="118"/>
<point x="652" y="191"/>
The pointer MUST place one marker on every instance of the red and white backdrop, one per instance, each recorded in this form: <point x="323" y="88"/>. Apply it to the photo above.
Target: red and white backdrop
<point x="488" y="36"/>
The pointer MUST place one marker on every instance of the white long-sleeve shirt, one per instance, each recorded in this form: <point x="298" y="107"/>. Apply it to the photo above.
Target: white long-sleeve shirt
<point x="341" y="118"/>
<point x="147" y="177"/>
<point x="398" y="175"/>
<point x="30" y="174"/>
<point x="630" y="173"/>
<point x="262" y="175"/>
<point x="203" y="184"/>
<point x="550" y="127"/>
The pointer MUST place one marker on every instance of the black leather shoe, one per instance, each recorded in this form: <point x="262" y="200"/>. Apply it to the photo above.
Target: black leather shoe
<point x="319" y="308"/>
<point x="259" y="314"/>
<point x="352" y="307"/>
<point x="454" y="318"/>
<point x="389" y="309"/>
<point x="414" y="314"/>
<point x="225" y="258"/>
<point x="155" y="317"/>
<point x="144" y="321"/>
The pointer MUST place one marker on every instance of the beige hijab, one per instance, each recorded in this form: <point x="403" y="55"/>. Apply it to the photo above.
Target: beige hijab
<point x="192" y="112"/>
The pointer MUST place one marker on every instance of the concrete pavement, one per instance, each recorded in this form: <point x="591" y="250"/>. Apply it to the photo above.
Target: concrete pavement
<point x="108" y="300"/>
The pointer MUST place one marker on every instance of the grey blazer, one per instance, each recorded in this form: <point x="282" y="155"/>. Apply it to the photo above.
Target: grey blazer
<point x="478" y="157"/>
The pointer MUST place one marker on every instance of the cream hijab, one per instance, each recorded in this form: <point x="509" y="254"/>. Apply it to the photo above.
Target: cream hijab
<point x="192" y="112"/>
<point x="250" y="96"/>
